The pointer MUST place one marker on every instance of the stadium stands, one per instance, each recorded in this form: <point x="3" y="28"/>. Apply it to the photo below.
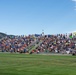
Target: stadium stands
<point x="60" y="43"/>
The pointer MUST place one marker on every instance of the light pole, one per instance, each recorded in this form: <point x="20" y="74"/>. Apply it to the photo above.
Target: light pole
<point x="42" y="32"/>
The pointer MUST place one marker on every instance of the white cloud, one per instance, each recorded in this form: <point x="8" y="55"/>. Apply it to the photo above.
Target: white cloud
<point x="75" y="4"/>
<point x="72" y="31"/>
<point x="74" y="0"/>
<point x="75" y="9"/>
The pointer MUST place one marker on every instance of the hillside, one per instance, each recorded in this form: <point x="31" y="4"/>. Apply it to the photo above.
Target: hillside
<point x="2" y="35"/>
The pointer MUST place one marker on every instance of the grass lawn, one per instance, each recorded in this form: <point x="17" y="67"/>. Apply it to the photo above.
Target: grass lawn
<point x="22" y="64"/>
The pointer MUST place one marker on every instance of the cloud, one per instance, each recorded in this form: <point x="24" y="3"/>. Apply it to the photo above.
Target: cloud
<point x="74" y="0"/>
<point x="75" y="4"/>
<point x="72" y="31"/>
<point x="74" y="9"/>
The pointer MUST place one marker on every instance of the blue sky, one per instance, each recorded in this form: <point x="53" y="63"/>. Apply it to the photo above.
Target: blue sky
<point x="23" y="17"/>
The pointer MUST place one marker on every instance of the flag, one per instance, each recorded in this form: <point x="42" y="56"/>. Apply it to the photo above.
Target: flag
<point x="70" y="37"/>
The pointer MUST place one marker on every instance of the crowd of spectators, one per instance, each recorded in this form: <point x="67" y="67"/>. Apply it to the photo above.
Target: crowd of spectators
<point x="57" y="43"/>
<point x="48" y="43"/>
<point x="15" y="43"/>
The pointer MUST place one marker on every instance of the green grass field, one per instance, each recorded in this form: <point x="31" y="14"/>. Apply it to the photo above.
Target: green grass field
<point x="22" y="64"/>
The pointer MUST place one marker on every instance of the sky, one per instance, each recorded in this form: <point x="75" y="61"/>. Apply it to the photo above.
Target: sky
<point x="24" y="17"/>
